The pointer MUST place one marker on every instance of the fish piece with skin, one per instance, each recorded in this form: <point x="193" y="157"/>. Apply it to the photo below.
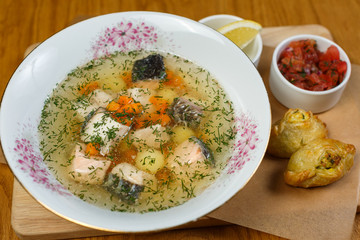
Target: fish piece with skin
<point x="132" y="174"/>
<point x="185" y="112"/>
<point x="190" y="159"/>
<point x="87" y="169"/>
<point x="101" y="128"/>
<point x="127" y="182"/>
<point x="150" y="67"/>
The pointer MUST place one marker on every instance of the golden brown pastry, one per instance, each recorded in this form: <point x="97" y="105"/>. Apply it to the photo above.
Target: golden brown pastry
<point x="319" y="163"/>
<point x="294" y="130"/>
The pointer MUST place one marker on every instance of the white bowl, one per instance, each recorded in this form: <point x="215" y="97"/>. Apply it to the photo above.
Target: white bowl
<point x="294" y="97"/>
<point x="253" y="50"/>
<point x="49" y="64"/>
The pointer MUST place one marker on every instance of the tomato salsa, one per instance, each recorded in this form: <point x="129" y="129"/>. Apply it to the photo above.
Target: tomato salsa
<point x="302" y="64"/>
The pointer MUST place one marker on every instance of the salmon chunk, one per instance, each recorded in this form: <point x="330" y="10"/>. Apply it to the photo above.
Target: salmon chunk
<point x="190" y="159"/>
<point x="142" y="95"/>
<point x="98" y="98"/>
<point x="153" y="136"/>
<point x="85" y="169"/>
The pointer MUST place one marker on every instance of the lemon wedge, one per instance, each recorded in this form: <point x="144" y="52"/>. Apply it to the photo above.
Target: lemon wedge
<point x="241" y="32"/>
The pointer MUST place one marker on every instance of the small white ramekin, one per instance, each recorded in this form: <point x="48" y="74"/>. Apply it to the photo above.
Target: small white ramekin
<point x="253" y="50"/>
<point x="294" y="97"/>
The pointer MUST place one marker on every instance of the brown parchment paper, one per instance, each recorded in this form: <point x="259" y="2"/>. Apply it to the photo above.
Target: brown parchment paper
<point x="269" y="205"/>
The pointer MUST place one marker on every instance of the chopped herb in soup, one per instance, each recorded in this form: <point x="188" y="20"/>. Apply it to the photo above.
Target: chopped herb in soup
<point x="138" y="131"/>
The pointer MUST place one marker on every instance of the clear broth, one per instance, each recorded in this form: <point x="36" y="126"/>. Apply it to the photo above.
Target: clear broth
<point x="60" y="125"/>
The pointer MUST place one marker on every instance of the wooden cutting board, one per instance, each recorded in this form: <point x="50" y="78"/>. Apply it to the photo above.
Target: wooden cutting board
<point x="30" y="220"/>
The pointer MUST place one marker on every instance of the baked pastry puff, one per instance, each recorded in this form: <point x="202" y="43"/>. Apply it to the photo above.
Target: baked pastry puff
<point x="319" y="163"/>
<point x="294" y="130"/>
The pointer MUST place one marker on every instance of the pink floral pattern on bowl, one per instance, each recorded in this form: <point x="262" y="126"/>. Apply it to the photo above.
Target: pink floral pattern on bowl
<point x="31" y="163"/>
<point x="245" y="145"/>
<point x="127" y="36"/>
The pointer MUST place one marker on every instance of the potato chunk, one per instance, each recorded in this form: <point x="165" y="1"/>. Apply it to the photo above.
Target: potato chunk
<point x="168" y="94"/>
<point x="113" y="82"/>
<point x="150" y="160"/>
<point x="181" y="133"/>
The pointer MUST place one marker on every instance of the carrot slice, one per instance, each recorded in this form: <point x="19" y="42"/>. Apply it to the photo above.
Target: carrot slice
<point x="164" y="119"/>
<point x="141" y="121"/>
<point x="152" y="119"/>
<point x="124" y="100"/>
<point x="122" y="119"/>
<point x="131" y="109"/>
<point x="137" y="108"/>
<point x="126" y="76"/>
<point x="169" y="74"/>
<point x="160" y="104"/>
<point x="174" y="80"/>
<point x="88" y="88"/>
<point x="113" y="106"/>
<point x="92" y="149"/>
<point x="129" y="155"/>
<point x="163" y="175"/>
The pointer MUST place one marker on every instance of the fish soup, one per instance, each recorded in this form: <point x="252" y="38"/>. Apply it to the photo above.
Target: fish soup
<point x="138" y="131"/>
